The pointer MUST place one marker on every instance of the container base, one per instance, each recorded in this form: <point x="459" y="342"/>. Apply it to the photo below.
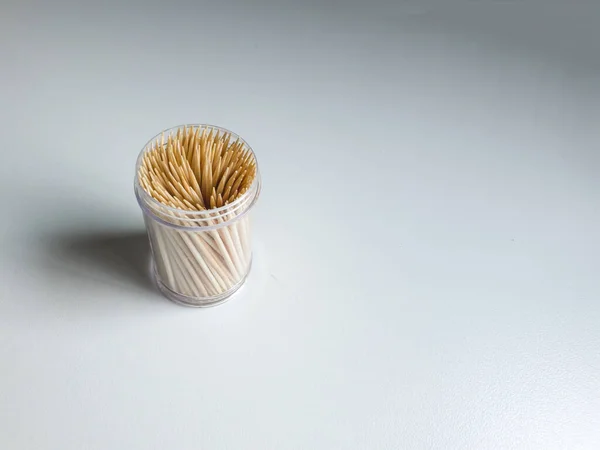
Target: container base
<point x="196" y="302"/>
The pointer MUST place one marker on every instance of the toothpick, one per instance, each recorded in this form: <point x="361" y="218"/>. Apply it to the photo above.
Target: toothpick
<point x="195" y="170"/>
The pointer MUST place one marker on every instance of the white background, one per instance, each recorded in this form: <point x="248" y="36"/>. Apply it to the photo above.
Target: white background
<point x="426" y="248"/>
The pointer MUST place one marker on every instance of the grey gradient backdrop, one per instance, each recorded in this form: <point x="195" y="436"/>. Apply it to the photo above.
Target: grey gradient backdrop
<point x="427" y="250"/>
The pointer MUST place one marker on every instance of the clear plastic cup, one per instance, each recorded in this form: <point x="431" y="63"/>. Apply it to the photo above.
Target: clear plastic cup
<point x="200" y="258"/>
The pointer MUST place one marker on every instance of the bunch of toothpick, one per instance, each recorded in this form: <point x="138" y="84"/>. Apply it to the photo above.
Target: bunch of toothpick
<point x="200" y="178"/>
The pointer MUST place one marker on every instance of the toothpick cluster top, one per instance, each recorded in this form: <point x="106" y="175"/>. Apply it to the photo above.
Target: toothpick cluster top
<point x="197" y="169"/>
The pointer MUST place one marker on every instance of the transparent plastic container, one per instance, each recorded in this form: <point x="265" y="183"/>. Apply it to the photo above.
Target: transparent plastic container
<point x="200" y="258"/>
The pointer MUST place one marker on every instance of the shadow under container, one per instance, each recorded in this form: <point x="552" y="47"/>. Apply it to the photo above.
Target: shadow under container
<point x="200" y="258"/>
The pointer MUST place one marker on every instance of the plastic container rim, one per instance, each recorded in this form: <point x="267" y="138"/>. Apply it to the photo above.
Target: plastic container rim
<point x="147" y="202"/>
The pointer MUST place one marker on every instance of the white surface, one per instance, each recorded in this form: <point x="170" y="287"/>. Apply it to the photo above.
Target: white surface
<point x="427" y="246"/>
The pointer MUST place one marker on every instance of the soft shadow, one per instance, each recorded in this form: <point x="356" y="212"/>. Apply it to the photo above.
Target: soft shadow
<point x="122" y="257"/>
